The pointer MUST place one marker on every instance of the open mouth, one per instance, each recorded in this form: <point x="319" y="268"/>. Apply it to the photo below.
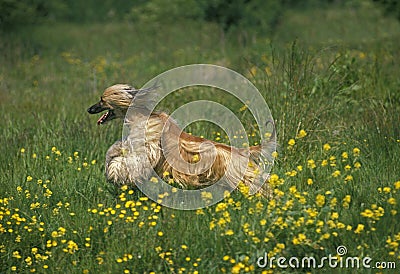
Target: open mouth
<point x="103" y="118"/>
<point x="109" y="115"/>
<point x="97" y="108"/>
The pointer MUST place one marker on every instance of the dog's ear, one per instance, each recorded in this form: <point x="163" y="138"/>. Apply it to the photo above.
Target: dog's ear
<point x="144" y="98"/>
<point x="131" y="90"/>
<point x="145" y="90"/>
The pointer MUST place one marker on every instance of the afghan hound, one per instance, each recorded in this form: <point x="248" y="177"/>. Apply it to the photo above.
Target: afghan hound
<point x="192" y="162"/>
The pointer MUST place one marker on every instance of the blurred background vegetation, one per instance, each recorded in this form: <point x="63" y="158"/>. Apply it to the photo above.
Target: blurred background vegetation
<point x="255" y="15"/>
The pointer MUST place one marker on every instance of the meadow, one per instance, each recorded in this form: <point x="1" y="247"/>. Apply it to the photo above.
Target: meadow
<point x="333" y="90"/>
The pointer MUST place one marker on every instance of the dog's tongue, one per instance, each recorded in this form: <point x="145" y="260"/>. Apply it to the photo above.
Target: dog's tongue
<point x="102" y="118"/>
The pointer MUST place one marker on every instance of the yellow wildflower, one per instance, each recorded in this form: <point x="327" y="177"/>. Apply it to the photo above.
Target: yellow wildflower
<point x="387" y="189"/>
<point x="336" y="173"/>
<point x="320" y="200"/>
<point x="195" y="158"/>
<point x="302" y="133"/>
<point x="359" y="229"/>
<point x="311" y="163"/>
<point x="391" y="201"/>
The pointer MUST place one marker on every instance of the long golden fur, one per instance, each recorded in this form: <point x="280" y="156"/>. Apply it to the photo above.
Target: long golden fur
<point x="191" y="161"/>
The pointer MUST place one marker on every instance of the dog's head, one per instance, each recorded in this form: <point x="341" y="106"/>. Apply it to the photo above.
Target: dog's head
<point x="116" y="101"/>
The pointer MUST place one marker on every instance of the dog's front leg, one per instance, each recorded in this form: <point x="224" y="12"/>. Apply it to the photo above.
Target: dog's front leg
<point x="115" y="167"/>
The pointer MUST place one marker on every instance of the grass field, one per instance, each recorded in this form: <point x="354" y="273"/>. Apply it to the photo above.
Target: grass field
<point x="336" y="102"/>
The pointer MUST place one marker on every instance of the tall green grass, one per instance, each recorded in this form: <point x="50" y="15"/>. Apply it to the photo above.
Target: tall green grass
<point x="58" y="213"/>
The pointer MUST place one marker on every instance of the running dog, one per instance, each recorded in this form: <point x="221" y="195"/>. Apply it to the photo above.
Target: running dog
<point x="155" y="142"/>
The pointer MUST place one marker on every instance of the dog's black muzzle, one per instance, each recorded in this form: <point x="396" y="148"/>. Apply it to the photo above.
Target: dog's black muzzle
<point x="96" y="108"/>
